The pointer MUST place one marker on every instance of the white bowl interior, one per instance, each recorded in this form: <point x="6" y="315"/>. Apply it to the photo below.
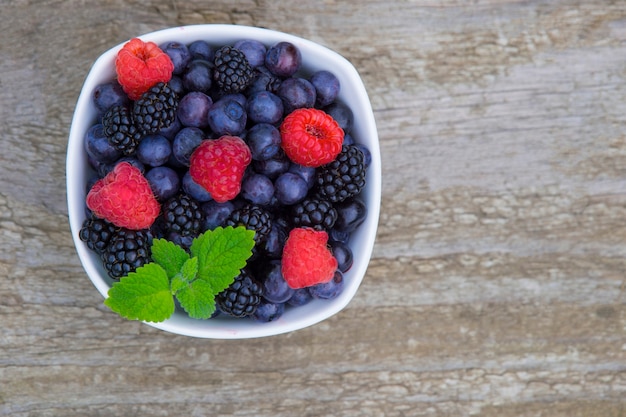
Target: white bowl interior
<point x="315" y="57"/>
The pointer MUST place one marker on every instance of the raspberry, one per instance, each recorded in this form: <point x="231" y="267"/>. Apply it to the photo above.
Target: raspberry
<point x="218" y="165"/>
<point x="124" y="198"/>
<point x="307" y="260"/>
<point x="140" y="65"/>
<point x="311" y="137"/>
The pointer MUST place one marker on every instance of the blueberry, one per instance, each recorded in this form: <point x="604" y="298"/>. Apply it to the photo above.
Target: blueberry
<point x="104" y="169"/>
<point x="201" y="50"/>
<point x="326" y="87"/>
<point x="253" y="50"/>
<point x="306" y="173"/>
<point x="263" y="139"/>
<point x="343" y="254"/>
<point x="273" y="167"/>
<point x="275" y="240"/>
<point x="227" y="117"/>
<point x="195" y="190"/>
<point x="257" y="189"/>
<point x="238" y="97"/>
<point x="348" y="139"/>
<point x="290" y="188"/>
<point x="350" y="215"/>
<point x="283" y="59"/>
<point x="275" y="288"/>
<point x="164" y="182"/>
<point x="342" y="115"/>
<point x="339" y="235"/>
<point x="296" y="93"/>
<point x="300" y="297"/>
<point x="330" y="289"/>
<point x="154" y="150"/>
<point x="193" y="109"/>
<point x="198" y="76"/>
<point x="185" y="142"/>
<point x="176" y="84"/>
<point x="266" y="311"/>
<point x="109" y="94"/>
<point x="98" y="147"/>
<point x="171" y="131"/>
<point x="216" y="213"/>
<point x="263" y="80"/>
<point x="265" y="107"/>
<point x="178" y="53"/>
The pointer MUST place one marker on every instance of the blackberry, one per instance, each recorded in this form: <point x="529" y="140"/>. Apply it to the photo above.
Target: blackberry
<point x="96" y="233"/>
<point x="127" y="250"/>
<point x="182" y="215"/>
<point x="242" y="297"/>
<point x="315" y="213"/>
<point x="232" y="71"/>
<point x="155" y="109"/>
<point x="118" y="126"/>
<point x="252" y="217"/>
<point x="342" y="178"/>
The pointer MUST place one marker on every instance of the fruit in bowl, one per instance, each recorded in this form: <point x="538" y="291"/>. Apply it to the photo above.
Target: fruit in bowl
<point x="224" y="181"/>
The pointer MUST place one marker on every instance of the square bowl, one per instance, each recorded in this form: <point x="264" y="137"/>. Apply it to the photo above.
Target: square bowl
<point x="314" y="57"/>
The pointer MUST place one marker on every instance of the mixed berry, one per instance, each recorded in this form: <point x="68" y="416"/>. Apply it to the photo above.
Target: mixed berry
<point x="190" y="137"/>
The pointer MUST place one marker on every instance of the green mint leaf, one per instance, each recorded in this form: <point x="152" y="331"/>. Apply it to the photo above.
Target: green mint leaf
<point x="197" y="299"/>
<point x="142" y="295"/>
<point x="187" y="273"/>
<point x="222" y="253"/>
<point x="169" y="255"/>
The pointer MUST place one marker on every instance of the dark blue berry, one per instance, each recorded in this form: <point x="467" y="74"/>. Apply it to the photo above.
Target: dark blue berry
<point x="185" y="142"/>
<point x="178" y="53"/>
<point x="109" y="94"/>
<point x="263" y="139"/>
<point x="171" y="131"/>
<point x="257" y="189"/>
<point x="164" y="182"/>
<point x="98" y="146"/>
<point x="275" y="288"/>
<point x="342" y="115"/>
<point x="290" y="188"/>
<point x="307" y="173"/>
<point x="300" y="297"/>
<point x="296" y="93"/>
<point x="326" y="87"/>
<point x="154" y="150"/>
<point x="193" y="109"/>
<point x="263" y="80"/>
<point x="273" y="167"/>
<point x="330" y="289"/>
<point x="195" y="190"/>
<point x="343" y="254"/>
<point x="198" y="76"/>
<point x="215" y="214"/>
<point x="275" y="241"/>
<point x="201" y="50"/>
<point x="253" y="50"/>
<point x="266" y="311"/>
<point x="265" y="107"/>
<point x="350" y="215"/>
<point x="227" y="117"/>
<point x="283" y="59"/>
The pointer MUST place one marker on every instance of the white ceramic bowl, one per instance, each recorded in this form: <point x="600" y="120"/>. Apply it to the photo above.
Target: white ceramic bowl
<point x="314" y="57"/>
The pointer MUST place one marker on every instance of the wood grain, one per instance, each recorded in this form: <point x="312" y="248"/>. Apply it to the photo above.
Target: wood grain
<point x="497" y="282"/>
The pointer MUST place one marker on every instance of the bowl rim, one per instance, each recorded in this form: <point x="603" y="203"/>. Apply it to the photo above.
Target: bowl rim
<point x="77" y="170"/>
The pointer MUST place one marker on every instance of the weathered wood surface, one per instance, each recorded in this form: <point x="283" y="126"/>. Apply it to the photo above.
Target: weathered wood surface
<point x="496" y="286"/>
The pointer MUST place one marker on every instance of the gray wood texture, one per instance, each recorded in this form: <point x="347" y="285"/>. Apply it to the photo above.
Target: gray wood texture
<point x="496" y="286"/>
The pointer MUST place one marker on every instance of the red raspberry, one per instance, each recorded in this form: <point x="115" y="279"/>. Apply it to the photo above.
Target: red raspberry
<point x="140" y="65"/>
<point x="311" y="137"/>
<point x="218" y="165"/>
<point x="307" y="259"/>
<point x="124" y="198"/>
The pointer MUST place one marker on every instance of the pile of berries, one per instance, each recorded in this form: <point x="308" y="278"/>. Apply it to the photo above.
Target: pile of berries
<point x="190" y="137"/>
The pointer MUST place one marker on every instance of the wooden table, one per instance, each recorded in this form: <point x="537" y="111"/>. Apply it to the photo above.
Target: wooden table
<point x="496" y="286"/>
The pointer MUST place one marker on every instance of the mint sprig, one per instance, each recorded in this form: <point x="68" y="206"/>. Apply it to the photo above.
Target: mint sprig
<point x="193" y="278"/>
